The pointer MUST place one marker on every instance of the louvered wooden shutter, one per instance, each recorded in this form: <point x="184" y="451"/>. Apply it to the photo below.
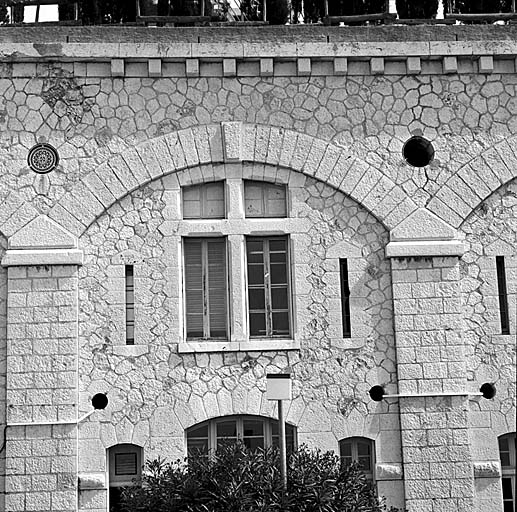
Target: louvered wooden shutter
<point x="216" y="256"/>
<point x="194" y="287"/>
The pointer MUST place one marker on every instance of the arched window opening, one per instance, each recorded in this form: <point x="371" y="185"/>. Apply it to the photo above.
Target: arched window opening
<point x="124" y="467"/>
<point x="508" y="467"/>
<point x="254" y="431"/>
<point x="360" y="450"/>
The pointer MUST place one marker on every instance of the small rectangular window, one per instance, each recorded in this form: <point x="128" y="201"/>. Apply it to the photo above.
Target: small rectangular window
<point x="268" y="286"/>
<point x="345" y="298"/>
<point x="205" y="201"/>
<point x="130" y="305"/>
<point x="262" y="199"/>
<point x="205" y="288"/>
<point x="503" y="296"/>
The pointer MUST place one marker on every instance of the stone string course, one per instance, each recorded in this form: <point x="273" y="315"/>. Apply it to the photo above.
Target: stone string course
<point x="145" y="117"/>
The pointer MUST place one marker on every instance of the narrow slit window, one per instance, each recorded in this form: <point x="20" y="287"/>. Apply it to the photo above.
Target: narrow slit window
<point x="345" y="298"/>
<point x="130" y="305"/>
<point x="503" y="295"/>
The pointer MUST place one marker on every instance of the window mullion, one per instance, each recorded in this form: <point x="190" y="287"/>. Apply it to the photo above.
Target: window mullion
<point x="267" y="285"/>
<point x="206" y="305"/>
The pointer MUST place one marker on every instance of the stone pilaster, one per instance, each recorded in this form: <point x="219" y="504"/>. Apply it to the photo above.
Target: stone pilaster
<point x="436" y="453"/>
<point x="430" y="359"/>
<point x="42" y="371"/>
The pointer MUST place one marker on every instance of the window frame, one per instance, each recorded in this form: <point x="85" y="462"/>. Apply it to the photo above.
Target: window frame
<point x="509" y="472"/>
<point x="266" y="187"/>
<point x="204" y="187"/>
<point x="239" y="419"/>
<point x="205" y="290"/>
<point x="268" y="287"/>
<point x="115" y="480"/>
<point x="354" y="441"/>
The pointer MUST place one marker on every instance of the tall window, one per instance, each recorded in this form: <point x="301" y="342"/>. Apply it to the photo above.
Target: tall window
<point x="358" y="449"/>
<point x="253" y="431"/>
<point x="503" y="295"/>
<point x="205" y="287"/>
<point x="508" y="465"/>
<point x="262" y="199"/>
<point x="345" y="298"/>
<point x="268" y="286"/>
<point x="205" y="201"/>
<point x="124" y="467"/>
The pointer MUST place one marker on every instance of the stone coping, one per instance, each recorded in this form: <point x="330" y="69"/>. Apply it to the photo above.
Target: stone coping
<point x="280" y="33"/>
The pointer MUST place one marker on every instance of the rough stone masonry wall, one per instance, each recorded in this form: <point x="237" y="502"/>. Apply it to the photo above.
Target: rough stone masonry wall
<point x="156" y="393"/>
<point x="464" y="104"/>
<point x="490" y="356"/>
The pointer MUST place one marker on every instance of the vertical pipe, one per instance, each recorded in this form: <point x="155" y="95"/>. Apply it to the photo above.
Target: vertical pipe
<point x="283" y="451"/>
<point x="37" y="13"/>
<point x="264" y="11"/>
<point x="326" y="8"/>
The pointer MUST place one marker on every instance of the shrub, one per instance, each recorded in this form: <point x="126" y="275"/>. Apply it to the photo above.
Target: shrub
<point x="417" y="9"/>
<point x="236" y="479"/>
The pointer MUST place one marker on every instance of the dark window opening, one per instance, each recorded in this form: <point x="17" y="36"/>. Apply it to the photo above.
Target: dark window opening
<point x="345" y="298"/>
<point x="503" y="295"/>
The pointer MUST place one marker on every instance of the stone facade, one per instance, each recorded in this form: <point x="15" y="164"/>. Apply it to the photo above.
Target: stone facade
<point x="324" y="112"/>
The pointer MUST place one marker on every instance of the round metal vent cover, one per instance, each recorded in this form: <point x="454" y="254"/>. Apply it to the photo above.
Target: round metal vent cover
<point x="43" y="158"/>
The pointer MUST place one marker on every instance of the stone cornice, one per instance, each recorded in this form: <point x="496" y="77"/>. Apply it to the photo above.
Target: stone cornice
<point x="90" y="52"/>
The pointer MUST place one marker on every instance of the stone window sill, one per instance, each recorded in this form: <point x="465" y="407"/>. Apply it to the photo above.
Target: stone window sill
<point x="130" y="350"/>
<point x="238" y="346"/>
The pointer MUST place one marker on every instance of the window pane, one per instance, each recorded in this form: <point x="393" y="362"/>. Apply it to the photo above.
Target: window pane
<point x="257" y="324"/>
<point x="364" y="463"/>
<point x="255" y="274"/>
<point x="503" y="444"/>
<point x="363" y="449"/>
<point x="278" y="244"/>
<point x="281" y="323"/>
<point x="205" y="201"/>
<point x="198" y="432"/>
<point x="253" y="428"/>
<point x="345" y="449"/>
<point x="254" y="442"/>
<point x="507" y="489"/>
<point x="197" y="446"/>
<point x="505" y="459"/>
<point x="227" y="429"/>
<point x="278" y="273"/>
<point x="279" y="298"/>
<point x="264" y="199"/>
<point x="257" y="299"/>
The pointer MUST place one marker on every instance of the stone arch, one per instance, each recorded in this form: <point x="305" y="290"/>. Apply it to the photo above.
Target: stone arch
<point x="475" y="181"/>
<point x="227" y="143"/>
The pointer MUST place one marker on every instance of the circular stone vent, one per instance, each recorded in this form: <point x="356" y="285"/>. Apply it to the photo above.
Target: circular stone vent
<point x="100" y="401"/>
<point x="418" y="151"/>
<point x="43" y="158"/>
